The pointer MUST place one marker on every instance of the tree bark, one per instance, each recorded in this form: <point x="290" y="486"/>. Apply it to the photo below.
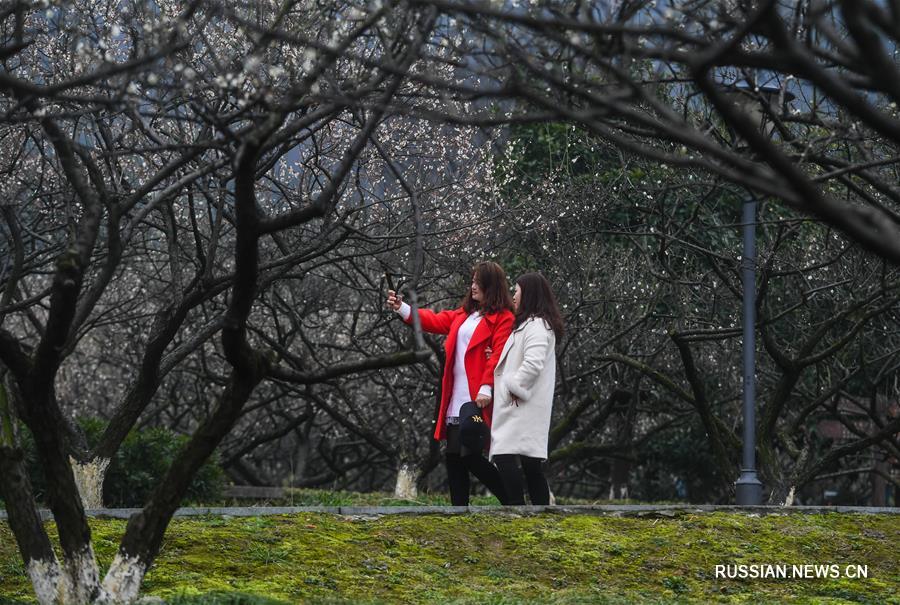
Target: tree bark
<point x="620" y="468"/>
<point x="89" y="478"/>
<point x="145" y="530"/>
<point x="405" y="487"/>
<point x="34" y="545"/>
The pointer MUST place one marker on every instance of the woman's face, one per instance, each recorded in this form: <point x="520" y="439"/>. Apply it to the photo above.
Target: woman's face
<point x="517" y="296"/>
<point x="477" y="292"/>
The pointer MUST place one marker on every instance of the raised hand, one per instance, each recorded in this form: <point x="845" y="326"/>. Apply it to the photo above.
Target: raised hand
<point x="394" y="300"/>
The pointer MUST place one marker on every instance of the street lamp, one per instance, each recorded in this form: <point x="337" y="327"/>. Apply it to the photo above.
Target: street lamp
<point x="748" y="487"/>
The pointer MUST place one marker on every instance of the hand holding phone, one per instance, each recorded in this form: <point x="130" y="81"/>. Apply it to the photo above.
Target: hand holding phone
<point x="393" y="299"/>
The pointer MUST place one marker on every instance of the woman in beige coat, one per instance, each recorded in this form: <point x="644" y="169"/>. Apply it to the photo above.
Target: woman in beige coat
<point x="524" y="379"/>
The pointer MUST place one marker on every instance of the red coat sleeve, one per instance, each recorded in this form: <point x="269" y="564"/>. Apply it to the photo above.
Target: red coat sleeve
<point x="435" y="323"/>
<point x="502" y="330"/>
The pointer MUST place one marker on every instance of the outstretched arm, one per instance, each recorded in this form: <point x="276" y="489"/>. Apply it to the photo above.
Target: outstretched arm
<point x="434" y="323"/>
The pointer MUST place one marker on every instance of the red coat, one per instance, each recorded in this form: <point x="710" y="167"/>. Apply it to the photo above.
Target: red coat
<point x="492" y="331"/>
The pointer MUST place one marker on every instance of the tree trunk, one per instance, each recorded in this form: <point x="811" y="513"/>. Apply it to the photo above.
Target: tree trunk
<point x="76" y="577"/>
<point x="145" y="530"/>
<point x="34" y="545"/>
<point x="122" y="583"/>
<point x="405" y="488"/>
<point x="783" y="493"/>
<point x="47" y="580"/>
<point x="89" y="478"/>
<point x="618" y="490"/>
<point x="81" y="577"/>
<point x="74" y="583"/>
<point x="783" y="488"/>
<point x="789" y="497"/>
<point x="879" y="484"/>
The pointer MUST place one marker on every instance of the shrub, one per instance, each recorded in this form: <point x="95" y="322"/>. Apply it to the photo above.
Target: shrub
<point x="136" y="468"/>
<point x="140" y="463"/>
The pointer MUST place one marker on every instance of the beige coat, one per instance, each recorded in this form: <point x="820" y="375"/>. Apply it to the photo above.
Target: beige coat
<point x="527" y="370"/>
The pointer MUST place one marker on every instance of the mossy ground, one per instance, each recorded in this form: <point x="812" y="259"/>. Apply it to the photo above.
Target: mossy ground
<point x="502" y="559"/>
<point x="318" y="497"/>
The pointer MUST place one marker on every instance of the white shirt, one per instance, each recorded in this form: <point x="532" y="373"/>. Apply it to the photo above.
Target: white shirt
<point x="460" y="393"/>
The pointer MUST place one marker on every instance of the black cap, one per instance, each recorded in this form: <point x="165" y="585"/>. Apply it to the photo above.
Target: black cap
<point x="473" y="430"/>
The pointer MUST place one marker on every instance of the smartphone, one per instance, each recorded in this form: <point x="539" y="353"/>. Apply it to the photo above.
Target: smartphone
<point x="390" y="282"/>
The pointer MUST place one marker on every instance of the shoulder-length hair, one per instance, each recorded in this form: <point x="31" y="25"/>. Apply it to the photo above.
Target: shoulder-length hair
<point x="536" y="299"/>
<point x="494" y="288"/>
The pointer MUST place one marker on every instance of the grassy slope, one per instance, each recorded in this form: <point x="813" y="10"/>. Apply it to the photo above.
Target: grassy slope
<point x="506" y="559"/>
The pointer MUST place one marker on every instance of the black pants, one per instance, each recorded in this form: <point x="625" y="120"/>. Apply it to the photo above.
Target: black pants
<point x="459" y="466"/>
<point x="511" y="474"/>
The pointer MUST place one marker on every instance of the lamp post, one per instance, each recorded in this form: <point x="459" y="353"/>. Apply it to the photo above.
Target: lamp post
<point x="748" y="487"/>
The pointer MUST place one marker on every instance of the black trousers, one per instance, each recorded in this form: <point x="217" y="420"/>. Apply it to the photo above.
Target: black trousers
<point x="461" y="463"/>
<point x="513" y="469"/>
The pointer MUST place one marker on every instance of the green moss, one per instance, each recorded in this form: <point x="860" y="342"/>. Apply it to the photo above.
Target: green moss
<point x="315" y="497"/>
<point x="502" y="559"/>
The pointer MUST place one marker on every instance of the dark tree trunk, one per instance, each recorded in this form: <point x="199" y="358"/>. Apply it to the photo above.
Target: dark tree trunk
<point x="26" y="525"/>
<point x="620" y="468"/>
<point x="145" y="530"/>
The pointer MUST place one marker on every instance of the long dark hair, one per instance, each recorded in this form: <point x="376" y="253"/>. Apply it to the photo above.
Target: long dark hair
<point x="536" y="299"/>
<point x="494" y="289"/>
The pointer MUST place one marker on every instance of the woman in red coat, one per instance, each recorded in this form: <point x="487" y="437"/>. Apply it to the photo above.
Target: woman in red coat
<point x="483" y="320"/>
